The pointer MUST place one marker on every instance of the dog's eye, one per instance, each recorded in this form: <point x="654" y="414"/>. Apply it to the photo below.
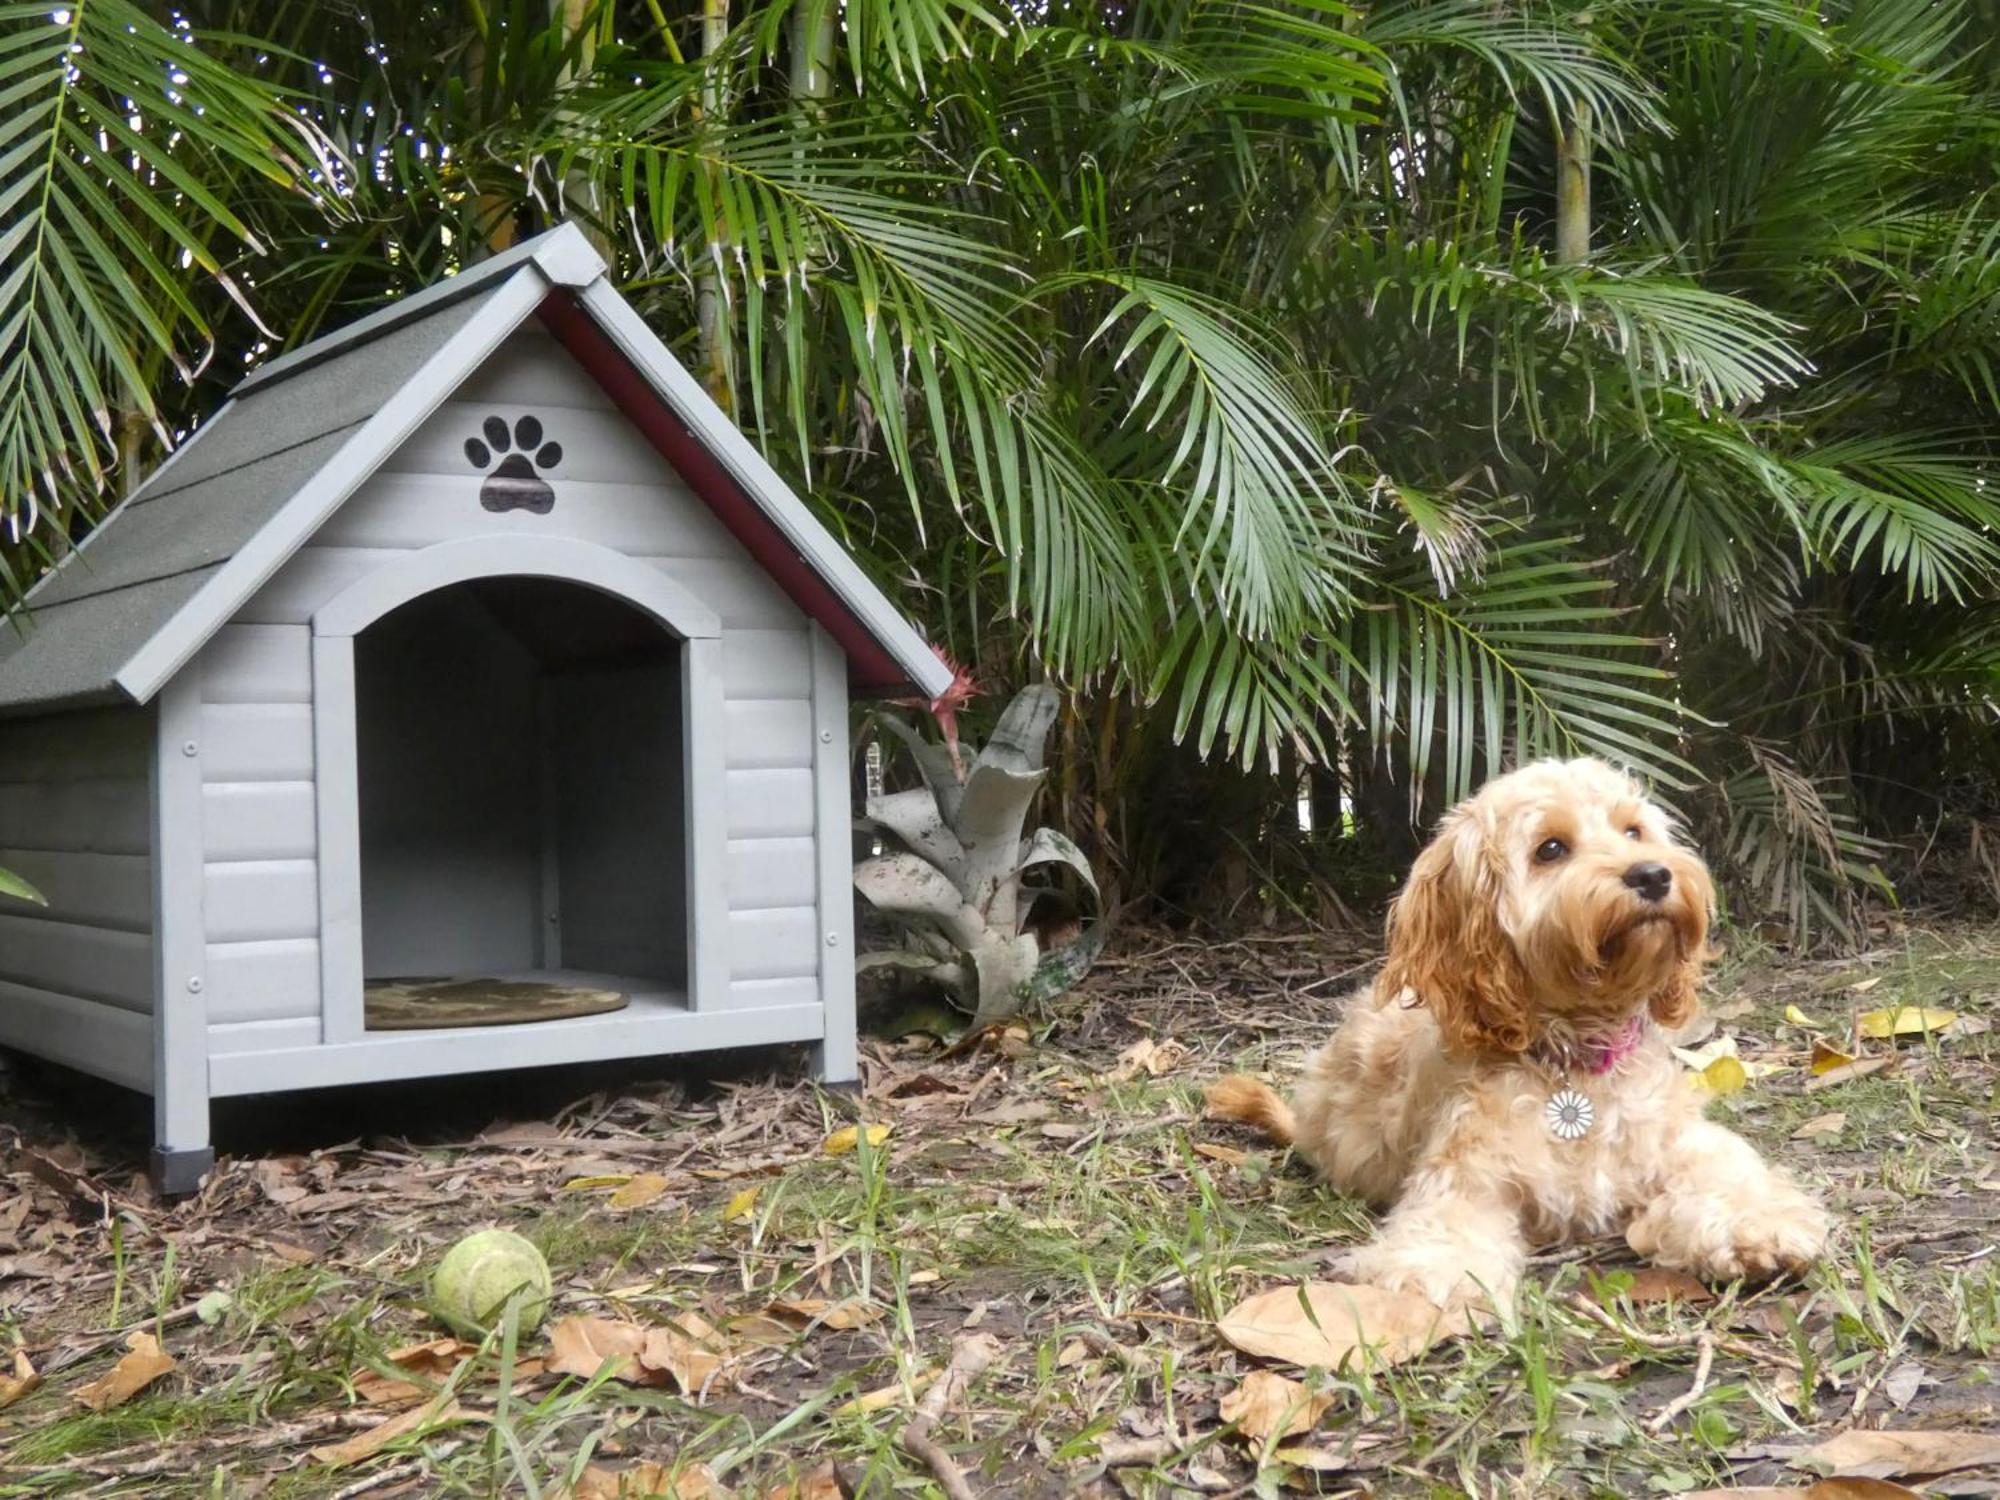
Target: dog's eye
<point x="1549" y="851"/>
<point x="1632" y="832"/>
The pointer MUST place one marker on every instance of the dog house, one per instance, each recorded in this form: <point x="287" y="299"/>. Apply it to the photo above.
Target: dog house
<point x="468" y="666"/>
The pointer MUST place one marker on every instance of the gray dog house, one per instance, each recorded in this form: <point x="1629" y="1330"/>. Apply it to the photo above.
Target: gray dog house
<point x="469" y="640"/>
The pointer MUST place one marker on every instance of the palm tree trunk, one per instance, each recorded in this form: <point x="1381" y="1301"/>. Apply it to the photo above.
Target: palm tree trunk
<point x="577" y="23"/>
<point x="711" y="322"/>
<point x="1573" y="188"/>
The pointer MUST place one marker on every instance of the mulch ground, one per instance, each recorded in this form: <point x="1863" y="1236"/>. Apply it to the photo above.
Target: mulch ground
<point x="783" y="1305"/>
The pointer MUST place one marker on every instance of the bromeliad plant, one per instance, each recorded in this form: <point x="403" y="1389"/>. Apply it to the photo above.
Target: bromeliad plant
<point x="957" y="886"/>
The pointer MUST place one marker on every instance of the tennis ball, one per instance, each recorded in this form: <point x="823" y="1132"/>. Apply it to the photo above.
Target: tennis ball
<point x="472" y="1283"/>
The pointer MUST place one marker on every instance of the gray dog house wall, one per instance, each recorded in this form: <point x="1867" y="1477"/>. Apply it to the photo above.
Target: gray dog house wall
<point x="469" y="644"/>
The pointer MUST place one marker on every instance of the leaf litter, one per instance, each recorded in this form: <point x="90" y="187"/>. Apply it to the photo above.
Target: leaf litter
<point x="743" y="1271"/>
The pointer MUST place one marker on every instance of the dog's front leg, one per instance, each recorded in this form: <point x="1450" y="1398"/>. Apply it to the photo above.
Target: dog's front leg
<point x="1454" y="1236"/>
<point x="1720" y="1210"/>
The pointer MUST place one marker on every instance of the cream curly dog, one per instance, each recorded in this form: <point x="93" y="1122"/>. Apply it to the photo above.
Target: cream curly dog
<point x="1506" y="1081"/>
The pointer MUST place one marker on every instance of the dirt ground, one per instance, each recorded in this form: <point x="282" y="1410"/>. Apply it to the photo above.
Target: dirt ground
<point x="777" y="1310"/>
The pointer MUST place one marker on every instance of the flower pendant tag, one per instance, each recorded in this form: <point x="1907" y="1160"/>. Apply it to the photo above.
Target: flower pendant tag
<point x="1570" y="1114"/>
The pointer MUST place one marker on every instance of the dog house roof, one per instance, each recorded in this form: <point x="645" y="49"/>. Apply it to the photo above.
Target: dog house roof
<point x="172" y="563"/>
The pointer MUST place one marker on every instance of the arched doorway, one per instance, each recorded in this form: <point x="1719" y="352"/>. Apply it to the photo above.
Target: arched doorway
<point x="520" y="767"/>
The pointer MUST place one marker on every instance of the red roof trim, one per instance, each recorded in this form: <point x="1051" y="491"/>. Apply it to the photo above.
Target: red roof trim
<point x="870" y="667"/>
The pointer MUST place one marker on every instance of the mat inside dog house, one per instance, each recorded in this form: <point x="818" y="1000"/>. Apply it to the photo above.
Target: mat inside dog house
<point x="469" y="658"/>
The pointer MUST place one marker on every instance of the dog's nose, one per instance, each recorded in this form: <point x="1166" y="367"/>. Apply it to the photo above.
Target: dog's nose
<point x="1652" y="881"/>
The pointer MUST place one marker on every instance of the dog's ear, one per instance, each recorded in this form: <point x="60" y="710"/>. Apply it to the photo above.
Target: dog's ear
<point x="1675" y="1005"/>
<point x="1447" y="948"/>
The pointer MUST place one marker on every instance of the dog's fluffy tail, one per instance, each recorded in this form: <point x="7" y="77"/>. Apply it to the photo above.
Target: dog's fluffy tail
<point x="1248" y="1102"/>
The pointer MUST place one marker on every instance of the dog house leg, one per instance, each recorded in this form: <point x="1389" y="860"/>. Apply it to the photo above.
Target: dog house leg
<point x="181" y="1154"/>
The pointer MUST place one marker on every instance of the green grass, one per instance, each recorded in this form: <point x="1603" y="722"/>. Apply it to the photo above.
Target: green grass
<point x="1098" y="1245"/>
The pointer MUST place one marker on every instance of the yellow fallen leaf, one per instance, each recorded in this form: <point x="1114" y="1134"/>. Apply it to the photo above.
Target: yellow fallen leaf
<point x="638" y="1191"/>
<point x="848" y="1138"/>
<point x="1826" y="1058"/>
<point x="1863" y="986"/>
<point x="690" y="1351"/>
<point x="375" y="1439"/>
<point x="145" y="1363"/>
<point x="1267" y="1405"/>
<point x="598" y="1180"/>
<point x="1903" y="1020"/>
<point x="887" y="1395"/>
<point x="1698" y="1058"/>
<point x="23" y="1382"/>
<point x="739" y="1207"/>
<point x="1322" y="1323"/>
<point x="1798" y="1017"/>
<point x="1726" y="1075"/>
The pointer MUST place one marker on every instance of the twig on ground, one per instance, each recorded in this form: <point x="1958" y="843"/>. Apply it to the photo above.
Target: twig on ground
<point x="970" y="1355"/>
<point x="1135" y="1453"/>
<point x="112" y="1338"/>
<point x="1589" y="1309"/>
<point x="394" y="1474"/>
<point x="1704" y="1362"/>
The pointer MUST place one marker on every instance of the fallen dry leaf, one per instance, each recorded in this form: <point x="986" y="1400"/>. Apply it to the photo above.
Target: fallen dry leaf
<point x="887" y="1395"/>
<point x="431" y="1362"/>
<point x="821" y="1484"/>
<point x="647" y="1187"/>
<point x="1697" y="1058"/>
<point x="1826" y="1057"/>
<point x="371" y="1442"/>
<point x="1229" y="1156"/>
<point x="647" y="1480"/>
<point x="1652" y="1284"/>
<point x="1861" y="1067"/>
<point x="22" y="1382"/>
<point x="145" y="1363"/>
<point x="1818" y="1125"/>
<point x="1146" y="1056"/>
<point x="1798" y="1017"/>
<point x="1826" y="1489"/>
<point x="1863" y="986"/>
<point x="583" y="1344"/>
<point x="595" y="1180"/>
<point x="689" y="1350"/>
<point x="853" y="1312"/>
<point x="1886" y="1455"/>
<point x="1903" y="1020"/>
<point x="1267" y="1405"/>
<point x="1322" y="1323"/>
<point x="1903" y="1383"/>
<point x="848" y="1138"/>
<point x="740" y="1206"/>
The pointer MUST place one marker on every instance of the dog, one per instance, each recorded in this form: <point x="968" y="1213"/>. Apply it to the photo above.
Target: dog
<point x="1506" y="1082"/>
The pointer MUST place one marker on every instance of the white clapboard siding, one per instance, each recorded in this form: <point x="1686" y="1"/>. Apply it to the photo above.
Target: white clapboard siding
<point x="768" y="734"/>
<point x="258" y="820"/>
<point x="596" y="446"/>
<point x="532" y="369"/>
<point x="770" y="804"/>
<point x="112" y="815"/>
<point x="93" y="963"/>
<point x="91" y="890"/>
<point x="407" y="511"/>
<point x="773" y="943"/>
<point x="93" y="746"/>
<point x="771" y="872"/>
<point x="759" y="994"/>
<point x="105" y="1041"/>
<point x="259" y="900"/>
<point x="767" y="664"/>
<point x="258" y="664"/>
<point x="226" y="1037"/>
<point x="263" y="981"/>
<point x="256" y="742"/>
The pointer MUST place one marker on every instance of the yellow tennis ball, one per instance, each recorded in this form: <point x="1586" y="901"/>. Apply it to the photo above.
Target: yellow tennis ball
<point x="472" y="1283"/>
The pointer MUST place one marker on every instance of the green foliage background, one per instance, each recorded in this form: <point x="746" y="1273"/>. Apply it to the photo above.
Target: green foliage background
<point x="1212" y="357"/>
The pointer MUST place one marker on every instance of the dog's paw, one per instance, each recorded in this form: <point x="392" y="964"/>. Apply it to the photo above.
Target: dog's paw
<point x="1722" y="1240"/>
<point x="1454" y="1283"/>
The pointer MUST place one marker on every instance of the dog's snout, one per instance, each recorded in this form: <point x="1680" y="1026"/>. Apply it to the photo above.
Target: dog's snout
<point x="1651" y="880"/>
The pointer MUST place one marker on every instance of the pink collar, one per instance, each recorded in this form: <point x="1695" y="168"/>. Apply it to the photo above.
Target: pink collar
<point x="1598" y="1057"/>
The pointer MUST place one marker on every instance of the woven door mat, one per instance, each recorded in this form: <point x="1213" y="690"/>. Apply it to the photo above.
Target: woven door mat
<point x="424" y="1004"/>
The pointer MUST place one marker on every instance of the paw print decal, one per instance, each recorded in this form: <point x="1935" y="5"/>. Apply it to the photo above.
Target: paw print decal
<point x="514" y="484"/>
